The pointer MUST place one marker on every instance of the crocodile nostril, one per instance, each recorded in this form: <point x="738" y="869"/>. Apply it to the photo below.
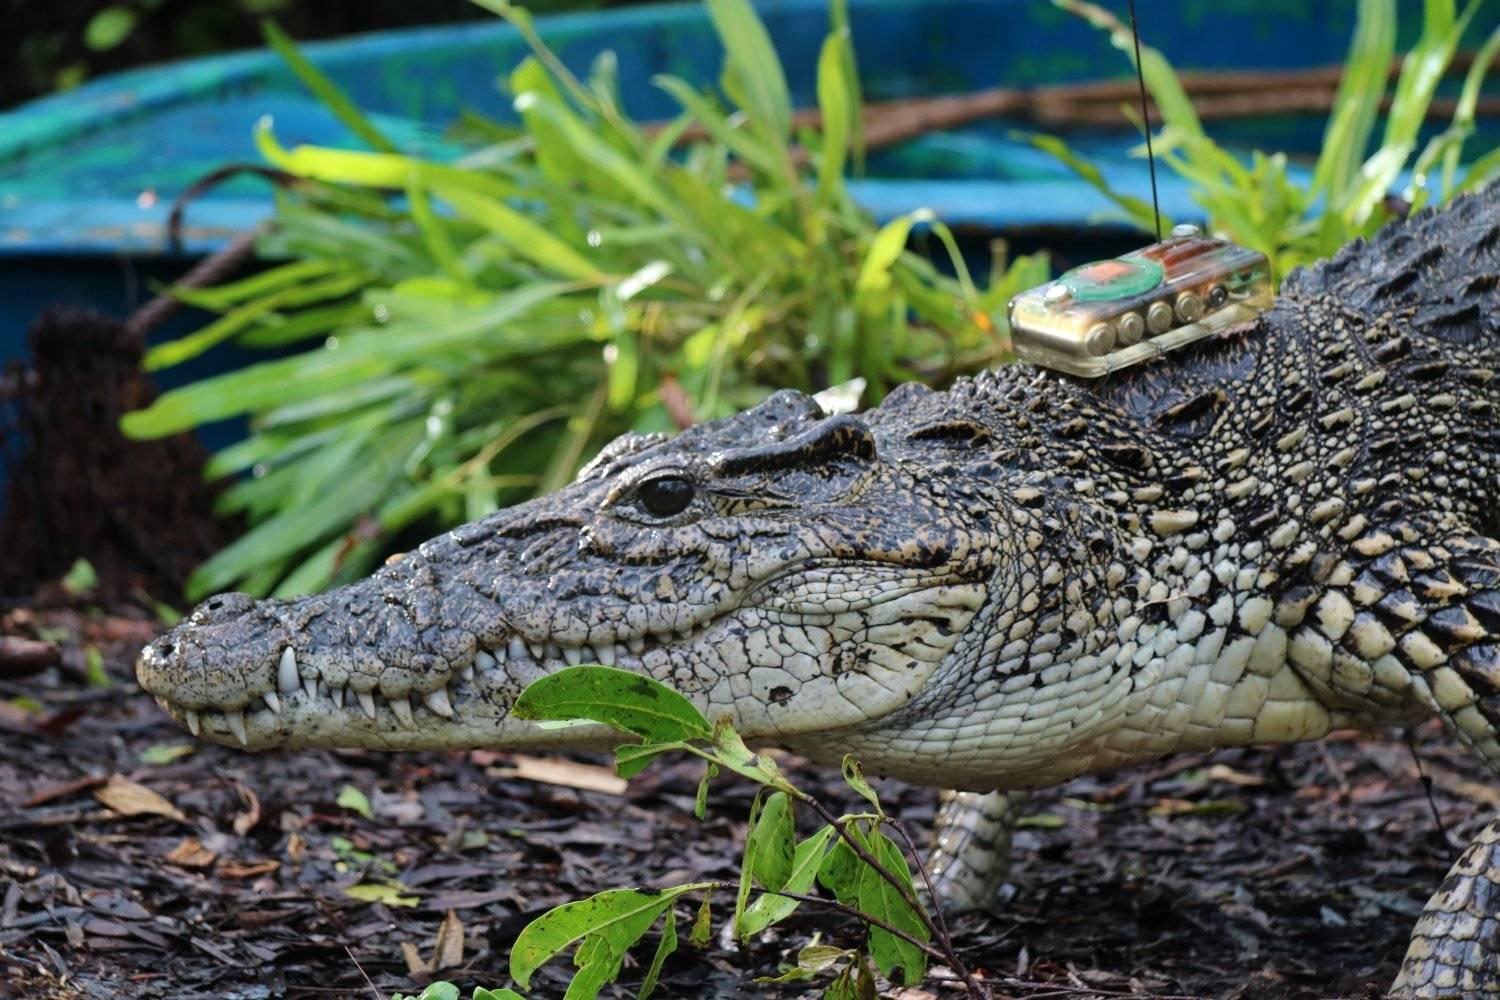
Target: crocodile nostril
<point x="166" y="649"/>
<point x="215" y="604"/>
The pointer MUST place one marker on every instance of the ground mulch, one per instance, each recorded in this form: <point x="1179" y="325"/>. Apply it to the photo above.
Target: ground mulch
<point x="138" y="862"/>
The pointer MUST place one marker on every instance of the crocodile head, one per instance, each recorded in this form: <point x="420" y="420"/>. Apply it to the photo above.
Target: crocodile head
<point x="777" y="566"/>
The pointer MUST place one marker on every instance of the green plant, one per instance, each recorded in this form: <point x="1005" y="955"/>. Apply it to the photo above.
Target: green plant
<point x="852" y="856"/>
<point x="486" y="325"/>
<point x="1260" y="205"/>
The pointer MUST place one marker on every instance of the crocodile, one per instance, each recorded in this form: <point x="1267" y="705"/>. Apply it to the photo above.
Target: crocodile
<point x="1286" y="529"/>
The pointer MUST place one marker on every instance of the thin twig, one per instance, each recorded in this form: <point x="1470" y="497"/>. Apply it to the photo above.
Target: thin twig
<point x="362" y="972"/>
<point x="950" y="955"/>
<point x="1426" y="787"/>
<point x="911" y="846"/>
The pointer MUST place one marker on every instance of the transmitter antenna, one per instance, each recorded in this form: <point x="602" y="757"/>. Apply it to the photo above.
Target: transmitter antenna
<point x="1140" y="76"/>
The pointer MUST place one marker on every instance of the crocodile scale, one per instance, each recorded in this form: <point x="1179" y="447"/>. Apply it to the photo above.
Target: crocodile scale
<point x="1286" y="529"/>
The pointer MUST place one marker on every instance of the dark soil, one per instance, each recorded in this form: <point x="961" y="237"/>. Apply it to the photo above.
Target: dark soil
<point x="74" y="485"/>
<point x="1268" y="873"/>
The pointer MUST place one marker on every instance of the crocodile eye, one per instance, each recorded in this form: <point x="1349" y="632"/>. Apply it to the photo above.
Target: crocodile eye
<point x="666" y="495"/>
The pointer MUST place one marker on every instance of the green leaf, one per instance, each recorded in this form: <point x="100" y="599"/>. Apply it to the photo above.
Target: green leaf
<point x="665" y="947"/>
<point x="240" y="318"/>
<point x="840" y="869"/>
<point x="1357" y="100"/>
<point x="700" y="797"/>
<point x="354" y="800"/>
<point x="633" y="758"/>
<point x="361" y="356"/>
<point x="631" y="702"/>
<point x="854" y="777"/>
<point x="835" y="102"/>
<point x="329" y="93"/>
<point x="108" y="28"/>
<point x="94" y="673"/>
<point x="598" y="965"/>
<point x="480" y="993"/>
<point x="770" y="908"/>
<point x="885" y="249"/>
<point x="1166" y="89"/>
<point x="811" y="960"/>
<point x="389" y="893"/>
<point x="522" y="235"/>
<point x="753" y="70"/>
<point x="731" y="752"/>
<point x="164" y="753"/>
<point x="879" y="898"/>
<point x="771" y="842"/>
<point x="749" y="147"/>
<point x="80" y="578"/>
<point x="702" y="931"/>
<point x="616" y="918"/>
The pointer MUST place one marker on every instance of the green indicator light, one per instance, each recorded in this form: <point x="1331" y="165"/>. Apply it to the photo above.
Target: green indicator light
<point x="1120" y="278"/>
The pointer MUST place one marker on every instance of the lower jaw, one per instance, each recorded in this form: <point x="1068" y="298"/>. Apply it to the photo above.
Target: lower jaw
<point x="303" y="726"/>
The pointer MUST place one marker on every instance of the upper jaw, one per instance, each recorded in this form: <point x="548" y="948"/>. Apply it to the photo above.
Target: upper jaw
<point x="306" y="695"/>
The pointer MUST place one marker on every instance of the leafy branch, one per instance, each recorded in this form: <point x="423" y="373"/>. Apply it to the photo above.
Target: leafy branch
<point x="850" y="856"/>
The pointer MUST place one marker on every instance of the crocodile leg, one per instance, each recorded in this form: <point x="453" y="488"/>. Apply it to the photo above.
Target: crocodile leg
<point x="1455" y="947"/>
<point x="971" y="846"/>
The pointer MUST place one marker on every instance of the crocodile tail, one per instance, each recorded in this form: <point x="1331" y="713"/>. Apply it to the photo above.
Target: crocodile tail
<point x="1452" y="947"/>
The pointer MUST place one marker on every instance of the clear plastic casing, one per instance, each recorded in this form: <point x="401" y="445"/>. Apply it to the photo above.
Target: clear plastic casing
<point x="1112" y="314"/>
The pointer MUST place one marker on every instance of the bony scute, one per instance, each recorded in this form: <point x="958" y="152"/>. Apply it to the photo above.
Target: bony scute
<point x="1111" y="314"/>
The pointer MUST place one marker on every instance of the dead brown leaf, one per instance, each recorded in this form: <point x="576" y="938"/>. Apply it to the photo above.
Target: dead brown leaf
<point x="250" y="869"/>
<point x="570" y="774"/>
<point x="296" y="847"/>
<point x="1223" y="772"/>
<point x="416" y="965"/>
<point x="63" y="790"/>
<point x="448" y="952"/>
<point x="191" y="853"/>
<point x="130" y="799"/>
<point x="245" y="822"/>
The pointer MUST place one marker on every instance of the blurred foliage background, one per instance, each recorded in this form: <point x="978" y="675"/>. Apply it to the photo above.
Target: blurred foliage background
<point x="477" y="329"/>
<point x="56" y="46"/>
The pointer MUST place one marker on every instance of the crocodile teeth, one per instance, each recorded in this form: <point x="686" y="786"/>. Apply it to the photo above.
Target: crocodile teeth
<point x="236" y="720"/>
<point x="636" y="644"/>
<point x="467" y="673"/>
<point x="367" y="703"/>
<point x="439" y="703"/>
<point x="573" y="655"/>
<point x="516" y="648"/>
<point x="310" y="685"/>
<point x="272" y="702"/>
<point x="402" y="708"/>
<point x="193" y="722"/>
<point x="337" y="695"/>
<point x="484" y="661"/>
<point x="605" y="655"/>
<point x="538" y="651"/>
<point x="286" y="672"/>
